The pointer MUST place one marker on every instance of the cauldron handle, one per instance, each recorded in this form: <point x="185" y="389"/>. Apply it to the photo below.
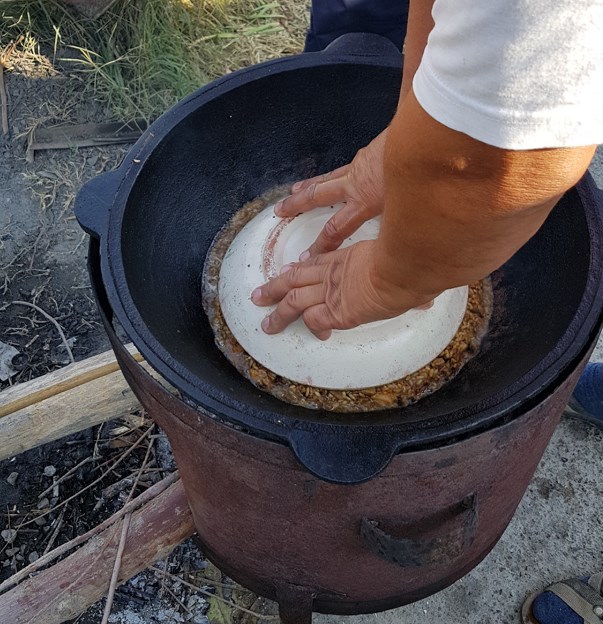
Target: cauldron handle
<point x="94" y="201"/>
<point x="412" y="551"/>
<point x="364" y="44"/>
<point x="342" y="455"/>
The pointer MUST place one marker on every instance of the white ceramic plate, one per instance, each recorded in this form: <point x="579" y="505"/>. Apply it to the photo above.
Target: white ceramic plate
<point x="369" y="355"/>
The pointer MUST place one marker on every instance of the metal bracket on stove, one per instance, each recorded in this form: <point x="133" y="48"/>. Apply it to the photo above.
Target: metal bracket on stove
<point x="410" y="546"/>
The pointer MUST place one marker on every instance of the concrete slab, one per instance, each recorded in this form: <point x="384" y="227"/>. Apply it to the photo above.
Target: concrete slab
<point x="556" y="533"/>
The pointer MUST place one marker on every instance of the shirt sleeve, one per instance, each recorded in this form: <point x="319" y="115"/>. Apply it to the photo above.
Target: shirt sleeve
<point x="516" y="74"/>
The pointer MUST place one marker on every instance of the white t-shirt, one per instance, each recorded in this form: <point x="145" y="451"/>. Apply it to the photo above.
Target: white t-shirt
<point x="517" y="74"/>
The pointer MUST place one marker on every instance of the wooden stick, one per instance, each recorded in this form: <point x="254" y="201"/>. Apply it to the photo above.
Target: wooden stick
<point x="5" y="55"/>
<point x="116" y="568"/>
<point x="213" y="596"/>
<point x="53" y="321"/>
<point x="122" y="541"/>
<point x="68" y="588"/>
<point x="145" y="497"/>
<point x="66" y="475"/>
<point x="114" y="465"/>
<point x="3" y="101"/>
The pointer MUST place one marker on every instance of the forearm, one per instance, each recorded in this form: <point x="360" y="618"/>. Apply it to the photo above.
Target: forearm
<point x="419" y="26"/>
<point x="455" y="208"/>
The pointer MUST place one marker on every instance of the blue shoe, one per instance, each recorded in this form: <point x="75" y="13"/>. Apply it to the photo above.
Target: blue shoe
<point x="575" y="601"/>
<point x="586" y="403"/>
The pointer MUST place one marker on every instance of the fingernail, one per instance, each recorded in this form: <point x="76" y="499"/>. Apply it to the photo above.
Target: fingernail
<point x="296" y="187"/>
<point x="277" y="208"/>
<point x="256" y="295"/>
<point x="304" y="256"/>
<point x="285" y="268"/>
<point x="266" y="324"/>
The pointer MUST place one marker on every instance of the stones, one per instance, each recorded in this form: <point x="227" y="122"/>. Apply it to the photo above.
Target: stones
<point x="7" y="355"/>
<point x="12" y="478"/>
<point x="8" y="535"/>
<point x="50" y="471"/>
<point x="33" y="556"/>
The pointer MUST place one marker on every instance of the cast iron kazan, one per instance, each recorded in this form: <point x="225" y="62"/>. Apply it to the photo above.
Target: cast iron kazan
<point x="322" y="511"/>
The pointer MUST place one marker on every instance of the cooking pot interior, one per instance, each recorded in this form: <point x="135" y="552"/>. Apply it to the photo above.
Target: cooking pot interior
<point x="282" y="128"/>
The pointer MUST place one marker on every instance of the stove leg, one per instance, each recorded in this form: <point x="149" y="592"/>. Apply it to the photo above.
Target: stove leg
<point x="295" y="604"/>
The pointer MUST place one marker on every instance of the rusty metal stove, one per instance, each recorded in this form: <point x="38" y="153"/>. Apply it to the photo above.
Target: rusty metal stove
<point x="421" y="524"/>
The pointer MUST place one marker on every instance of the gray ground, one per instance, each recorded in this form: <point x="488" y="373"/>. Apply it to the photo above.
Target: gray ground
<point x="557" y="533"/>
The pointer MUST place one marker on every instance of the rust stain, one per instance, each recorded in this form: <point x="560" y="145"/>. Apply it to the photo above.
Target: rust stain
<point x="268" y="263"/>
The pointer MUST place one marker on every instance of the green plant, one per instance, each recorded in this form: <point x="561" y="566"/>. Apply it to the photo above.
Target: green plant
<point x="141" y="56"/>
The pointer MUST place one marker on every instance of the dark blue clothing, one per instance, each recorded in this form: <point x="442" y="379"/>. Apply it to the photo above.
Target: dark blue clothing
<point x="332" y="18"/>
<point x="589" y="391"/>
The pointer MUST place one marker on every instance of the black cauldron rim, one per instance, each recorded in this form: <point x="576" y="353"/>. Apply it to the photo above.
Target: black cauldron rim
<point x="368" y="447"/>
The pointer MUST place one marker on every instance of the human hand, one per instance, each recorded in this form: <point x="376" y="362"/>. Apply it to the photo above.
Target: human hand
<point x="359" y="185"/>
<point x="336" y="290"/>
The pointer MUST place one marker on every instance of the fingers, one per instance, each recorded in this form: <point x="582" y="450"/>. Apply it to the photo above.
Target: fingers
<point x="339" y="227"/>
<point x="319" y="321"/>
<point x="299" y="291"/>
<point x="331" y="175"/>
<point x="297" y="276"/>
<point x="313" y="196"/>
<point x="295" y="304"/>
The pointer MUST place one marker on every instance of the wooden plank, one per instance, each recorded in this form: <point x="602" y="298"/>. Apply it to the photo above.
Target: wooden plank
<point x="66" y="401"/>
<point x="23" y="395"/>
<point x="66" y="413"/>
<point x="69" y="587"/>
<point x="70" y="134"/>
<point x="83" y="135"/>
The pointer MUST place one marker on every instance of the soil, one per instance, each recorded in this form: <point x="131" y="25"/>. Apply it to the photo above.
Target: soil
<point x="42" y="248"/>
<point x="43" y="262"/>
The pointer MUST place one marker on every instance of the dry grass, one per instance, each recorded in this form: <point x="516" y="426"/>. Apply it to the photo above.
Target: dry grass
<point x="57" y="185"/>
<point x="137" y="60"/>
<point x="142" y="56"/>
<point x="23" y="55"/>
